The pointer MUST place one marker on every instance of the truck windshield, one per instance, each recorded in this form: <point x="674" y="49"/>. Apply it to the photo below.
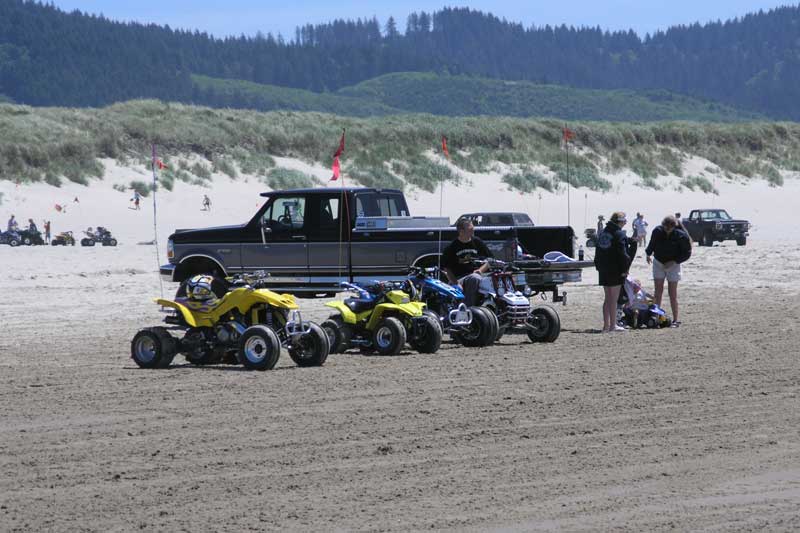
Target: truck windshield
<point x="380" y="204"/>
<point x="716" y="214"/>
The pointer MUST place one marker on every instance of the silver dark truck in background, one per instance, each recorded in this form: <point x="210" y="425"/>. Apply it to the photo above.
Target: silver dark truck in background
<point x="311" y="240"/>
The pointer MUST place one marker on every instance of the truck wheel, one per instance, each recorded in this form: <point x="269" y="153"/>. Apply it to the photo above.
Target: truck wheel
<point x="153" y="348"/>
<point x="708" y="239"/>
<point x="741" y="241"/>
<point x="546" y="325"/>
<point x="339" y="334"/>
<point x="389" y="337"/>
<point x="430" y="334"/>
<point x="312" y="348"/>
<point x="481" y="332"/>
<point x="259" y="348"/>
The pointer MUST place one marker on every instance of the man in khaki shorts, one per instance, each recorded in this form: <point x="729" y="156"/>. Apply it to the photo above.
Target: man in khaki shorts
<point x="669" y="247"/>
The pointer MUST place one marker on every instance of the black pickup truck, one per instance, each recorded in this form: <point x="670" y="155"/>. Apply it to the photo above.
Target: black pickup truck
<point x="706" y="226"/>
<point x="311" y="240"/>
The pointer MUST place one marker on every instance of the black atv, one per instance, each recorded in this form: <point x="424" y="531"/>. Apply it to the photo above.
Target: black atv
<point x="101" y="236"/>
<point x="31" y="238"/>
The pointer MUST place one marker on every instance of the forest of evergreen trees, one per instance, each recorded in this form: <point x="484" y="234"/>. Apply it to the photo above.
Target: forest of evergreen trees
<point x="50" y="57"/>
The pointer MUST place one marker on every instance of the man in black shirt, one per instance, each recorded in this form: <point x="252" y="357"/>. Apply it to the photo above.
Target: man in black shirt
<point x="458" y="258"/>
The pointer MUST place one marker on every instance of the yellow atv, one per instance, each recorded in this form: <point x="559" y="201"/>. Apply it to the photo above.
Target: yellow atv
<point x="246" y="325"/>
<point x="382" y="318"/>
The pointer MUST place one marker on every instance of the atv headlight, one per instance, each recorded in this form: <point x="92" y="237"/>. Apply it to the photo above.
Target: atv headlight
<point x="501" y="290"/>
<point x="527" y="291"/>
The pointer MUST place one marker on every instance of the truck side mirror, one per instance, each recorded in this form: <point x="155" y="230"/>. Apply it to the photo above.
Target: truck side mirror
<point x="265" y="226"/>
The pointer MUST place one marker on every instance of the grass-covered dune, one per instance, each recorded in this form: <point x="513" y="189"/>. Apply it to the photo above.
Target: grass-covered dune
<point x="53" y="144"/>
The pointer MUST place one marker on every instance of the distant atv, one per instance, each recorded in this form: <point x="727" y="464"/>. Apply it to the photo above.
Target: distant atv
<point x="248" y="325"/>
<point x="707" y="226"/>
<point x="31" y="238"/>
<point x="101" y="236"/>
<point x="382" y="318"/>
<point x="12" y="238"/>
<point x="63" y="239"/>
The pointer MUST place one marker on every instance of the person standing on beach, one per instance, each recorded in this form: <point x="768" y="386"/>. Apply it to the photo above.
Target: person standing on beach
<point x="47" y="231"/>
<point x="12" y="225"/>
<point x="600" y="224"/>
<point x="612" y="261"/>
<point x="640" y="229"/>
<point x="206" y="203"/>
<point x="136" y="198"/>
<point x="669" y="246"/>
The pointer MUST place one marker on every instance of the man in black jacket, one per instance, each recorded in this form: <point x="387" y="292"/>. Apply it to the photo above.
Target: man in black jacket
<point x="671" y="246"/>
<point x="459" y="257"/>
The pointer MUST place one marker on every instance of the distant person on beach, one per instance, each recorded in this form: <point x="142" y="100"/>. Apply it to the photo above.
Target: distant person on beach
<point x="136" y="199"/>
<point x="32" y="226"/>
<point x="678" y="221"/>
<point x="640" y="229"/>
<point x="47" y="231"/>
<point x="612" y="261"/>
<point x="669" y="246"/>
<point x="206" y="203"/>
<point x="600" y="224"/>
<point x="76" y="200"/>
<point x="12" y="224"/>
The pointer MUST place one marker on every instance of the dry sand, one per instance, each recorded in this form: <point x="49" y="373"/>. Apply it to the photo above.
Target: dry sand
<point x="689" y="428"/>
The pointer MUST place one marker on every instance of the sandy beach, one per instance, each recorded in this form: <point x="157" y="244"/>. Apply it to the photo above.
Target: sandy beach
<point x="694" y="428"/>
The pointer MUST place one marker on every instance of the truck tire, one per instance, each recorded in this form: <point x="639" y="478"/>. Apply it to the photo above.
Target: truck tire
<point x="389" y="337"/>
<point x="339" y="334"/>
<point x="259" y="348"/>
<point x="153" y="348"/>
<point x="313" y="348"/>
<point x="430" y="337"/>
<point x="547" y="325"/>
<point x="741" y="241"/>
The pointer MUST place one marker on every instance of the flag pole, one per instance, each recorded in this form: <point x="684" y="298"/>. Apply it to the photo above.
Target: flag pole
<point x="155" y="221"/>
<point x="566" y="146"/>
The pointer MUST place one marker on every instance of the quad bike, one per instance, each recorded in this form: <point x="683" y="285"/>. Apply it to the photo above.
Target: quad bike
<point x="473" y="326"/>
<point x="636" y="308"/>
<point x="31" y="238"/>
<point x="382" y="318"/>
<point x="101" y="235"/>
<point x="248" y="325"/>
<point x="12" y="238"/>
<point x="63" y="239"/>
<point x="500" y="291"/>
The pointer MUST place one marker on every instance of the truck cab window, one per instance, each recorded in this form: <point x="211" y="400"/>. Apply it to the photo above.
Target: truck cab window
<point x="285" y="214"/>
<point x="375" y="204"/>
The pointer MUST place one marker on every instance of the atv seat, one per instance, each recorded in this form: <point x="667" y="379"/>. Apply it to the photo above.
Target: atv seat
<point x="358" y="305"/>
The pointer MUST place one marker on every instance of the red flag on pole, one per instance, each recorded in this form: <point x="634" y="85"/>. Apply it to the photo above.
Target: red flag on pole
<point x="336" y="167"/>
<point x="160" y="164"/>
<point x="444" y="147"/>
<point x="568" y="134"/>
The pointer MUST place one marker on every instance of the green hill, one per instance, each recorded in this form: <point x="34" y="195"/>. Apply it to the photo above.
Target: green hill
<point x="465" y="96"/>
<point x="245" y="94"/>
<point x="411" y="92"/>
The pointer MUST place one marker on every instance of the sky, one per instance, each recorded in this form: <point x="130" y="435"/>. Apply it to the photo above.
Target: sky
<point x="236" y="17"/>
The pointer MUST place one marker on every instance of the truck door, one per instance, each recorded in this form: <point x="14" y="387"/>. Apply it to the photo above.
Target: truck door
<point x="328" y="229"/>
<point x="281" y="247"/>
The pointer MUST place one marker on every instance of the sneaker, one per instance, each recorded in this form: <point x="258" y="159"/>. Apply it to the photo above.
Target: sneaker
<point x="675" y="324"/>
<point x="617" y="328"/>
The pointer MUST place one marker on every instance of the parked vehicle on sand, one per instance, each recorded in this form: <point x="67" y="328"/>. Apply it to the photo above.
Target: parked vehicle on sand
<point x="473" y="326"/>
<point x="707" y="226"/>
<point x="382" y="318"/>
<point x="12" y="238"/>
<point x="247" y="325"/>
<point x="63" y="239"/>
<point x="31" y="238"/>
<point x="101" y="235"/>
<point x="504" y="291"/>
<point x="501" y="218"/>
<point x="312" y="240"/>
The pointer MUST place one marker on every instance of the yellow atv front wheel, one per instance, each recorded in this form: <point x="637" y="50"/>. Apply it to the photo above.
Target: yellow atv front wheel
<point x="259" y="348"/>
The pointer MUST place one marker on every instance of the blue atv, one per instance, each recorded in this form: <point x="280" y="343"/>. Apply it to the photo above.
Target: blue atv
<point x="473" y="326"/>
